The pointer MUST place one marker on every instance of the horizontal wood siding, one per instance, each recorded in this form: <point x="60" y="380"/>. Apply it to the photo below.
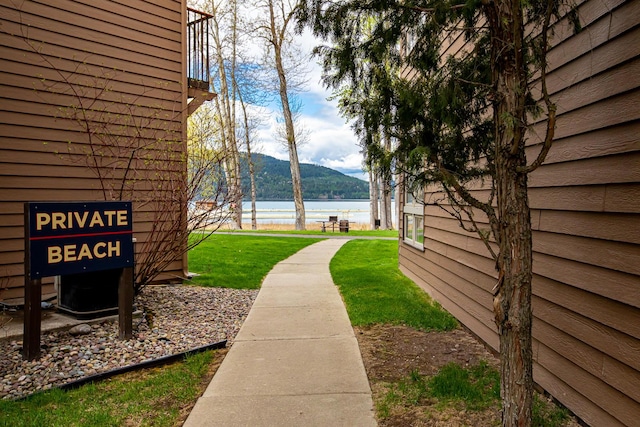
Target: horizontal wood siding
<point x="122" y="62"/>
<point x="585" y="203"/>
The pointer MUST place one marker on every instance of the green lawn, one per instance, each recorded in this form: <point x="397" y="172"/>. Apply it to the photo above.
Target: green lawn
<point x="376" y="291"/>
<point x="366" y="272"/>
<point x="319" y="233"/>
<point x="240" y="261"/>
<point x="153" y="397"/>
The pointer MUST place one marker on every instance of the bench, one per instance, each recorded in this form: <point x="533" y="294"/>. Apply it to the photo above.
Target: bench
<point x="332" y="220"/>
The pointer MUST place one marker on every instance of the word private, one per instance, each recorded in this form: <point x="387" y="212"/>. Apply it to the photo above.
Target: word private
<point x="71" y="220"/>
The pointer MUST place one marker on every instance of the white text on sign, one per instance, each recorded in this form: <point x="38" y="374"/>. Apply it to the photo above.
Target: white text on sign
<point x="70" y="253"/>
<point x="70" y="220"/>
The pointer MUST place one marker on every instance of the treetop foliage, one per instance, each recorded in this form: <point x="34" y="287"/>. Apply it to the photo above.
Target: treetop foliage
<point x="387" y="60"/>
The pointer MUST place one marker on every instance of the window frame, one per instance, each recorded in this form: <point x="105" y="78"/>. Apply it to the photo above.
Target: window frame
<point x="413" y="218"/>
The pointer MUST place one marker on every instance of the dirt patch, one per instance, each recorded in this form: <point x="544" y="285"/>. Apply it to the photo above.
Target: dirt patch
<point x="391" y="353"/>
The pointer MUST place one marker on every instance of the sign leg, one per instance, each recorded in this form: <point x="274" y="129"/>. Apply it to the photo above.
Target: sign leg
<point x="32" y="319"/>
<point x="125" y="304"/>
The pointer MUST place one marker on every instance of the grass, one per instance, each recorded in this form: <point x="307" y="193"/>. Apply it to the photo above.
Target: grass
<point x="470" y="389"/>
<point x="155" y="397"/>
<point x="240" y="261"/>
<point x="376" y="291"/>
<point x="352" y="232"/>
<point x="546" y="414"/>
<point x="473" y="388"/>
<point x="478" y="386"/>
<point x="151" y="397"/>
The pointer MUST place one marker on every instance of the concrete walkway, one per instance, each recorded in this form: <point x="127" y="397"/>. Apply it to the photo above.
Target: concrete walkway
<point x="295" y="361"/>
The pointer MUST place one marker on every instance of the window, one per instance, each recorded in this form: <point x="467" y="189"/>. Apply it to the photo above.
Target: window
<point x="413" y="215"/>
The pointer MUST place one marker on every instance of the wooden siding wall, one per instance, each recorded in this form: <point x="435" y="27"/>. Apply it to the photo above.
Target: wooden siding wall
<point x="123" y="62"/>
<point x="585" y="205"/>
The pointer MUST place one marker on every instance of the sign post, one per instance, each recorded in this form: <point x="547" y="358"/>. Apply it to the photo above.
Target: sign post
<point x="32" y="307"/>
<point x="71" y="238"/>
<point x="125" y="304"/>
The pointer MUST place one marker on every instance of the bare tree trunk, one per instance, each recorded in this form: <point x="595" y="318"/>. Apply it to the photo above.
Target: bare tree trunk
<point x="373" y="198"/>
<point x="396" y="206"/>
<point x="226" y="111"/>
<point x="386" y="222"/>
<point x="512" y="301"/>
<point x="252" y="174"/>
<point x="296" y="181"/>
<point x="386" y="190"/>
<point x="237" y="184"/>
<point x="252" y="178"/>
<point x="382" y="198"/>
<point x="277" y="38"/>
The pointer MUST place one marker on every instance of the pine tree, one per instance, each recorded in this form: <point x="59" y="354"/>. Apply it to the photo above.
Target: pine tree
<point x="457" y="120"/>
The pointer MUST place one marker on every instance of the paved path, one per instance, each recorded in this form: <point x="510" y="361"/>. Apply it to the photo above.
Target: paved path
<point x="295" y="361"/>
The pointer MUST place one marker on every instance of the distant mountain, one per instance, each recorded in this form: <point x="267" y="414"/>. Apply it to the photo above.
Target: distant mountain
<point x="273" y="181"/>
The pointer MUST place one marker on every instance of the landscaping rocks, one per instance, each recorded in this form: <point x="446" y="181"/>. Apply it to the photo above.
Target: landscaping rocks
<point x="82" y="329"/>
<point x="175" y="319"/>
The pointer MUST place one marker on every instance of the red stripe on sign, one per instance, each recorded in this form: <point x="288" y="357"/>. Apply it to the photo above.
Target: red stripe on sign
<point x="68" y="236"/>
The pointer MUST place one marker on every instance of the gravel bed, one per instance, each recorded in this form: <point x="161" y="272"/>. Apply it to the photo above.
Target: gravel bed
<point x="175" y="319"/>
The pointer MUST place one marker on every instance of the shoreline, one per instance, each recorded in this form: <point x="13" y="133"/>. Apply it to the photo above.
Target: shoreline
<point x="309" y="226"/>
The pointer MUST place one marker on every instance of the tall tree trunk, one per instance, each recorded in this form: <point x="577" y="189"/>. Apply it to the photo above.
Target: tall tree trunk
<point x="252" y="173"/>
<point x="382" y="197"/>
<point x="232" y="115"/>
<point x="386" y="189"/>
<point x="224" y="143"/>
<point x="512" y="301"/>
<point x="226" y="109"/>
<point x="296" y="181"/>
<point x="277" y="38"/>
<point x="252" y="178"/>
<point x="386" y="199"/>
<point x="373" y="197"/>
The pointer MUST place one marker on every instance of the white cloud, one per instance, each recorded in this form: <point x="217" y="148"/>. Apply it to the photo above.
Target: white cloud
<point x="330" y="141"/>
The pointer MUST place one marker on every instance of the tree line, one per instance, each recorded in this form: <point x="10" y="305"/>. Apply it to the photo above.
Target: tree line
<point x="273" y="181"/>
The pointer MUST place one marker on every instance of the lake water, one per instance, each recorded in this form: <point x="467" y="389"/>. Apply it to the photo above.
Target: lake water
<point x="283" y="211"/>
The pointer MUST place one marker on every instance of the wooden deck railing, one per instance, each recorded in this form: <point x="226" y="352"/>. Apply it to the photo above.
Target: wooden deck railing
<point x="198" y="49"/>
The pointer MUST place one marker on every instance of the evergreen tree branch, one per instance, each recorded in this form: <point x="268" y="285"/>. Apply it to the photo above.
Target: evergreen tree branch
<point x="449" y="179"/>
<point x="551" y="107"/>
<point x="483" y="234"/>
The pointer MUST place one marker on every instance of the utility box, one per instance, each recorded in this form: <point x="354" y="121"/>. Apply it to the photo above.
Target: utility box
<point x="89" y="295"/>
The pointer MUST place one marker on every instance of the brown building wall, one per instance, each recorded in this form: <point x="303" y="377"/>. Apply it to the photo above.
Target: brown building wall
<point x="585" y="213"/>
<point x="123" y="63"/>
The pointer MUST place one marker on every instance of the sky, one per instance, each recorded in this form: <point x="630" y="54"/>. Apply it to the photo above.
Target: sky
<point x="330" y="142"/>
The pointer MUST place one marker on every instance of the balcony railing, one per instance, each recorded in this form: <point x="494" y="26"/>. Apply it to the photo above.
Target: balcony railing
<point x="198" y="49"/>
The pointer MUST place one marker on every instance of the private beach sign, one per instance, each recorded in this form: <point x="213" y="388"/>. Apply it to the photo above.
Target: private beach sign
<point x="70" y="238"/>
<point x="78" y="237"/>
